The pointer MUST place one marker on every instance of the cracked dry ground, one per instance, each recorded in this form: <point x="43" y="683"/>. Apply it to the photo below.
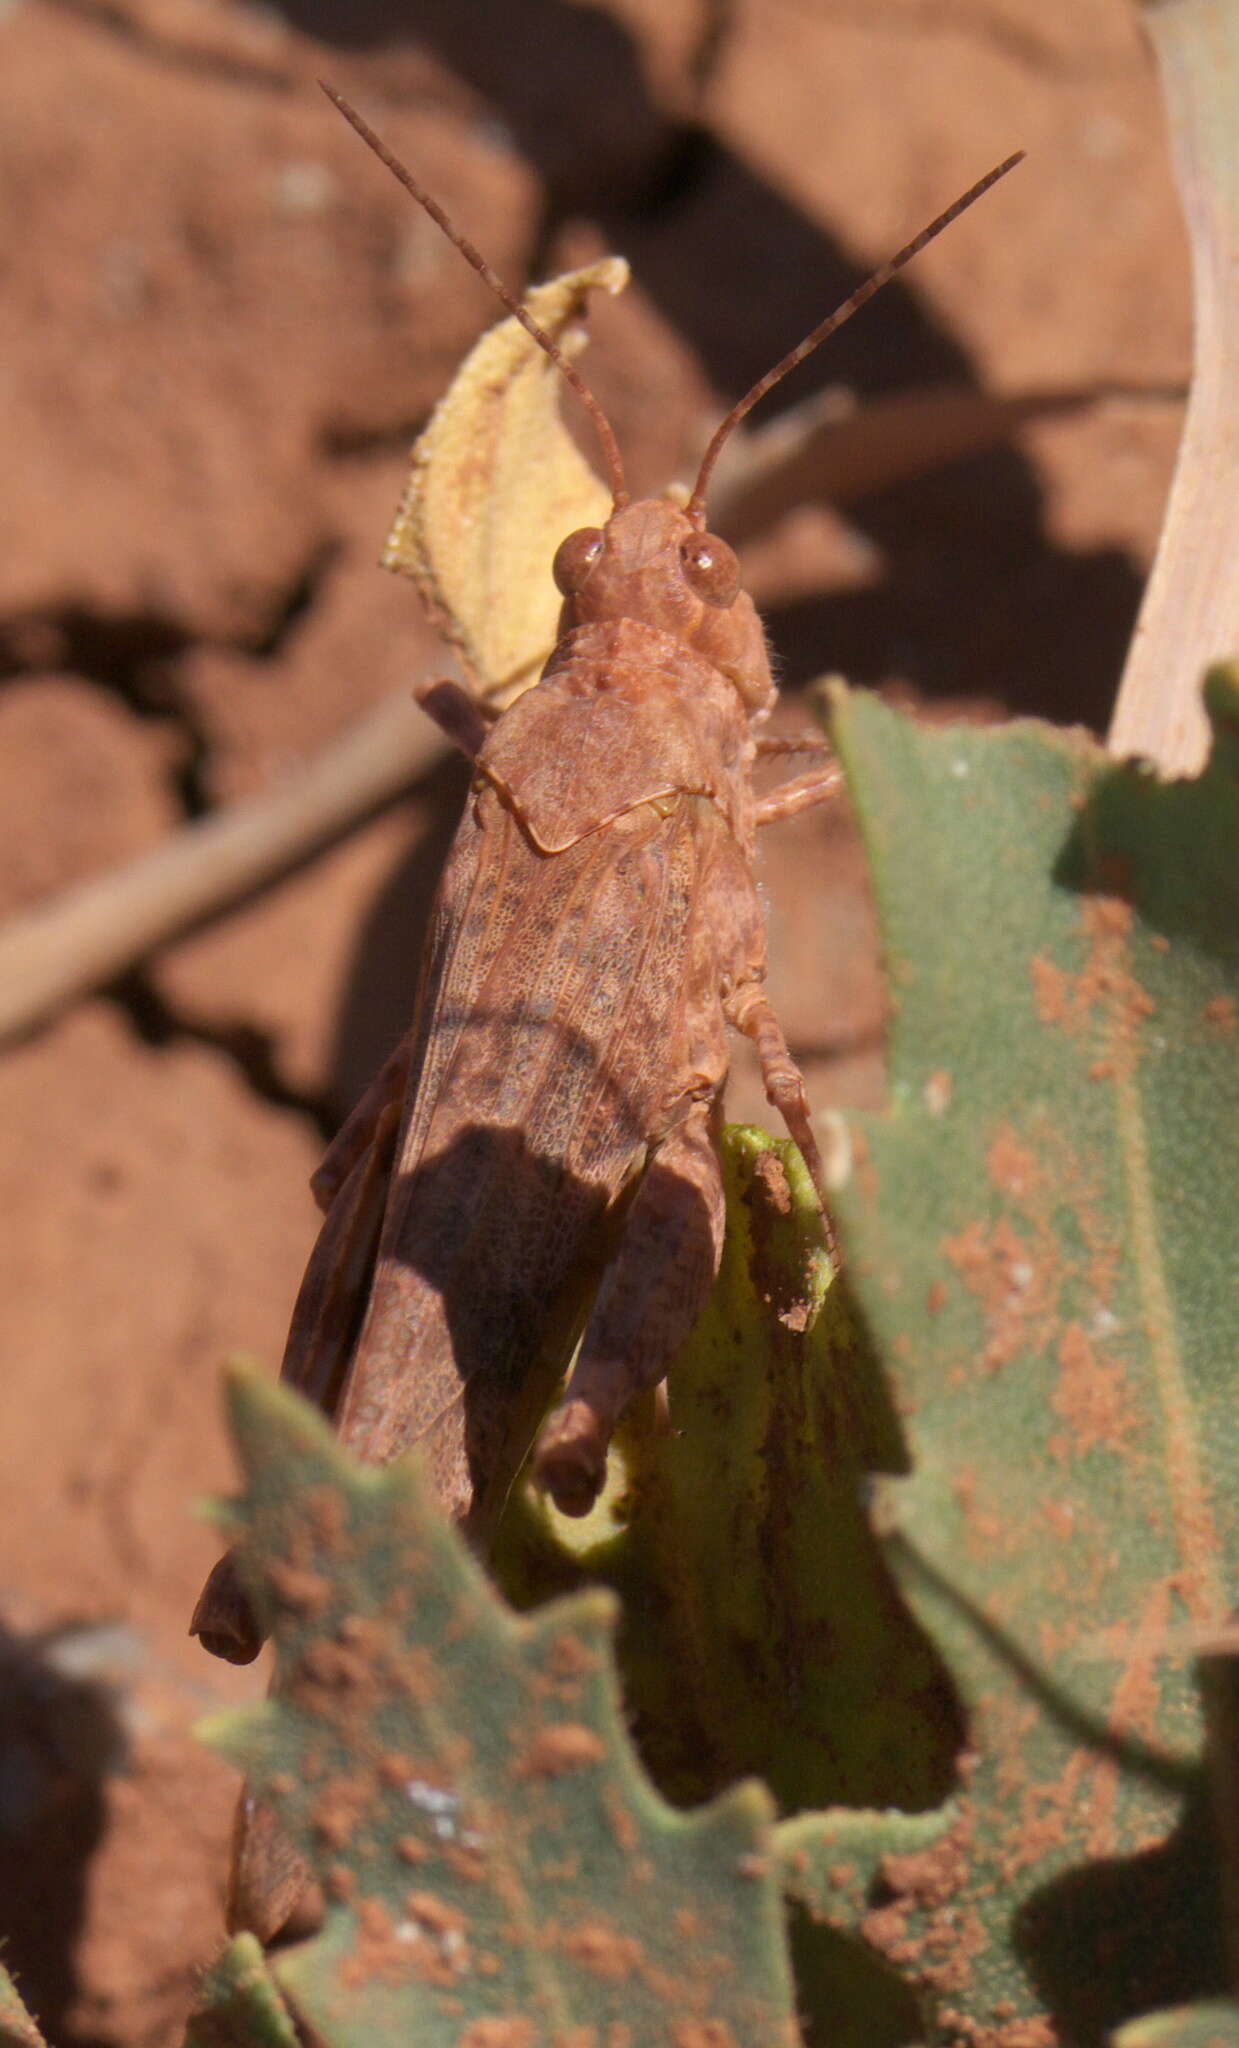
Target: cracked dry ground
<point x="221" y="326"/>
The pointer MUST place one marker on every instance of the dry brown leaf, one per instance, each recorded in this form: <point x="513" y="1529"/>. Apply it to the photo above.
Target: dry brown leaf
<point x="496" y="483"/>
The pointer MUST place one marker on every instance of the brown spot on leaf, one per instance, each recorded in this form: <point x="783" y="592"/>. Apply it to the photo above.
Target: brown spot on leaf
<point x="1220" y="1016"/>
<point x="702" y="2034"/>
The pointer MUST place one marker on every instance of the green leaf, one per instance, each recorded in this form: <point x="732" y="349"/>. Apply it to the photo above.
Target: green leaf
<point x="17" y="2029"/>
<point x="499" y="1871"/>
<point x="760" y="1630"/>
<point x="238" y="2004"/>
<point x="1043" y="1238"/>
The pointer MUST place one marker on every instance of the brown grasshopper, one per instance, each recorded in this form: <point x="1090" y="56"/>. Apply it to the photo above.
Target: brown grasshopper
<point x="552" y="1115"/>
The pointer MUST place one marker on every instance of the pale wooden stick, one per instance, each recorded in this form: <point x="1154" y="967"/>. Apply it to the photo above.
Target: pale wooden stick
<point x="1190" y="615"/>
<point x="84" y="937"/>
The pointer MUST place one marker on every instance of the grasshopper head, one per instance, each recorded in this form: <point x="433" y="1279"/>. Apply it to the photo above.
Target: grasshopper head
<point x="652" y="564"/>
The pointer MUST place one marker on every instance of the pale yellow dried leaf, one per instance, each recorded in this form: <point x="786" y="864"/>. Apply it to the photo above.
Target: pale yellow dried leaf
<point x="496" y="482"/>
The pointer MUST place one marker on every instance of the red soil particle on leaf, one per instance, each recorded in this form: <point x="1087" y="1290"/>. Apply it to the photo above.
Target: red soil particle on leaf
<point x="339" y="1808"/>
<point x="435" y="1913"/>
<point x="1221" y="1017"/>
<point x="1028" y="2033"/>
<point x="929" y="1876"/>
<point x="886" y="1930"/>
<point x="771" y="1182"/>
<point x="564" y="1746"/>
<point x="323" y="1508"/>
<point x="297" y="1587"/>
<point x="1050" y="990"/>
<point x="938" y="1090"/>
<point x="374" y="1918"/>
<point x="569" y="1657"/>
<point x="416" y="1673"/>
<point x="603" y="1950"/>
<point x="411" y="1849"/>
<point x="936" y="1297"/>
<point x="1011" y="1163"/>
<point x="1105" y="992"/>
<point x="841" y="1875"/>
<point x="341" y="1882"/>
<point x="362" y="1632"/>
<point x="986" y="1531"/>
<point x="623" y="1822"/>
<point x="1046" y="1817"/>
<point x="1059" y="1517"/>
<point x="394" y="1768"/>
<point x="499" y="2033"/>
<point x="468" y="1864"/>
<point x="334" y="1665"/>
<point x="1015" y="1285"/>
<point x="1091" y="1397"/>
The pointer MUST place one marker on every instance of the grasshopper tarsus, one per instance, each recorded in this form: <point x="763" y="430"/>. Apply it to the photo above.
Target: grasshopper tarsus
<point x="223" y="1619"/>
<point x="461" y="717"/>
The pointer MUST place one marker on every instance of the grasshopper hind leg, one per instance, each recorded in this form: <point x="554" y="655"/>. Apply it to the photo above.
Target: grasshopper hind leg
<point x="651" y="1295"/>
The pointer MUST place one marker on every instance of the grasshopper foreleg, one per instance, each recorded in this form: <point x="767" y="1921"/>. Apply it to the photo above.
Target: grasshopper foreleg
<point x="651" y="1295"/>
<point x="803" y="791"/>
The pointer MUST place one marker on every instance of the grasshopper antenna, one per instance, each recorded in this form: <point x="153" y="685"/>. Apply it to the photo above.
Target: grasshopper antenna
<point x="474" y="257"/>
<point x="833" y="321"/>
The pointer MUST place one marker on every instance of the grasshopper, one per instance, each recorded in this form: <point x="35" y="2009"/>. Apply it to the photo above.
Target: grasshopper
<point x="549" y="1125"/>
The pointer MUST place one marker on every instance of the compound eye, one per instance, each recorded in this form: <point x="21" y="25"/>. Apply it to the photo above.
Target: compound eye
<point x="574" y="558"/>
<point x="712" y="569"/>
